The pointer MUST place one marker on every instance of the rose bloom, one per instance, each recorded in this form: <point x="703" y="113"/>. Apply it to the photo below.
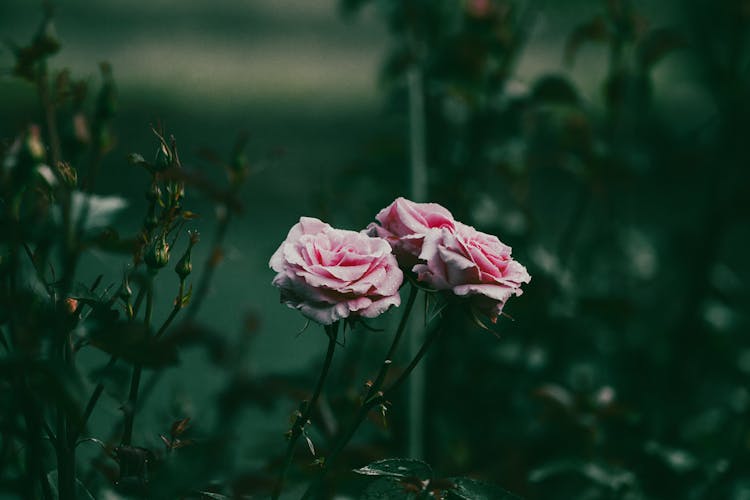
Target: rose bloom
<point x="404" y="225"/>
<point x="329" y="274"/>
<point x="471" y="263"/>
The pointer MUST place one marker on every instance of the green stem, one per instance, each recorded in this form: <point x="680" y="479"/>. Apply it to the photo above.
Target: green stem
<point x="138" y="300"/>
<point x="300" y="422"/>
<point x="50" y="434"/>
<point x="66" y="459"/>
<point x="431" y="334"/>
<point x="135" y="381"/>
<point x="99" y="389"/>
<point x="151" y="382"/>
<point x="33" y="453"/>
<point x="93" y="400"/>
<point x="394" y="345"/>
<point x="175" y="310"/>
<point x="50" y="116"/>
<point x="212" y="262"/>
<point x="370" y="402"/>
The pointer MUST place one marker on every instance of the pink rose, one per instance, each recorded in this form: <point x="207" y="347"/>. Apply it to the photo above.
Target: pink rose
<point x="330" y="274"/>
<point x="471" y="263"/>
<point x="404" y="225"/>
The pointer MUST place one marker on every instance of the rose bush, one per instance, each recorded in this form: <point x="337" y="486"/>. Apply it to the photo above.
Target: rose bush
<point x="471" y="263"/>
<point x="404" y="225"/>
<point x="330" y="274"/>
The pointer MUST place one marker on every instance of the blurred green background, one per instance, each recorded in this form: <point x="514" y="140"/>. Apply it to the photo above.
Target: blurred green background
<point x="619" y="174"/>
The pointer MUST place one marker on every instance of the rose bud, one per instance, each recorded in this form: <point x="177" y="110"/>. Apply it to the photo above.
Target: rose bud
<point x="157" y="255"/>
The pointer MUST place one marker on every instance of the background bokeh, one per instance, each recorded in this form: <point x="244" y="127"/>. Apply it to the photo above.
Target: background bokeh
<point x="605" y="141"/>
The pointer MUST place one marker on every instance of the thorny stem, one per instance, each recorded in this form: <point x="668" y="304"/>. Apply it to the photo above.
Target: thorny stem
<point x="432" y="334"/>
<point x="178" y="306"/>
<point x="154" y="380"/>
<point x="127" y="435"/>
<point x="394" y="345"/>
<point x="99" y="389"/>
<point x="378" y="397"/>
<point x="201" y="290"/>
<point x="212" y="262"/>
<point x="301" y="420"/>
<point x="34" y="465"/>
<point x="175" y="310"/>
<point x="66" y="461"/>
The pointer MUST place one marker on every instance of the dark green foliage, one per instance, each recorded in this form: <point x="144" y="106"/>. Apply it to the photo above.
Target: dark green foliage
<point x="622" y="372"/>
<point x="397" y="468"/>
<point x="625" y="370"/>
<point x="402" y="478"/>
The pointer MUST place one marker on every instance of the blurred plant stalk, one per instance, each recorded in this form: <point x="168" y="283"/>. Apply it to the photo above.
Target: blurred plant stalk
<point x="418" y="171"/>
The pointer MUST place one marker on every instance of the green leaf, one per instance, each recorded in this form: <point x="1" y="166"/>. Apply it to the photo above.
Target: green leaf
<point x="397" y="468"/>
<point x="98" y="212"/>
<point x="82" y="292"/>
<point x="610" y="477"/>
<point x="136" y="158"/>
<point x="92" y="440"/>
<point x="133" y="342"/>
<point x="386" y="488"/>
<point x="215" y="496"/>
<point x="471" y="489"/>
<point x="140" y="161"/>
<point x="91" y="213"/>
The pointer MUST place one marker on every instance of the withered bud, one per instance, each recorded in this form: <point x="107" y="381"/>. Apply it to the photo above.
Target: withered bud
<point x="71" y="305"/>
